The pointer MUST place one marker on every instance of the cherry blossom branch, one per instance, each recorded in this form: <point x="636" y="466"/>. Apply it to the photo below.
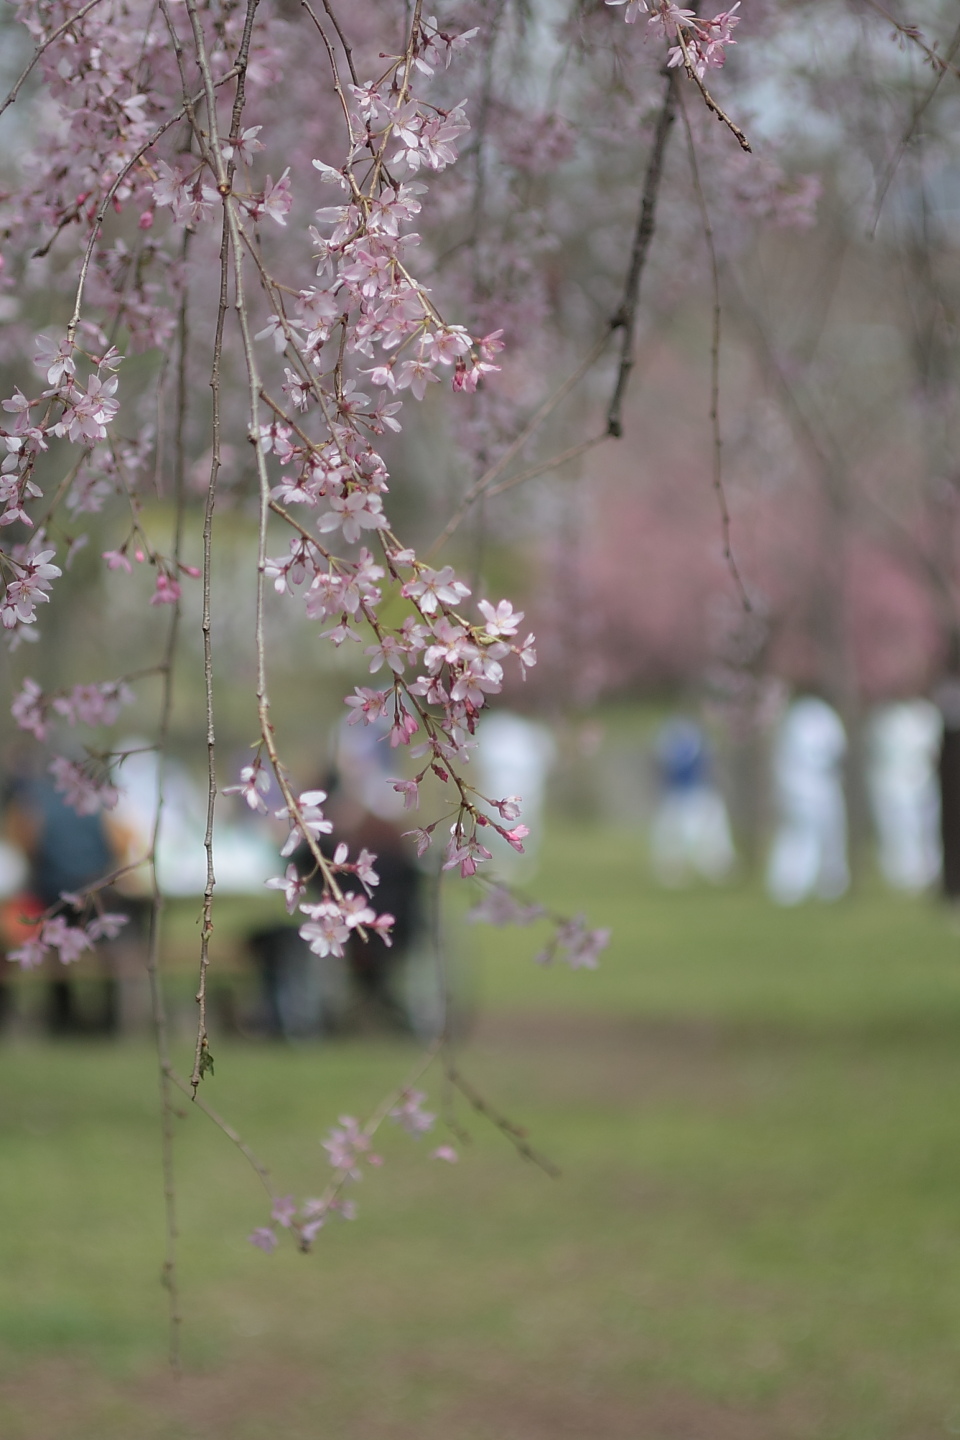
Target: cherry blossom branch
<point x="43" y="46"/>
<point x="109" y="197"/>
<point x="715" y="338"/>
<point x="345" y="1148"/>
<point x="254" y="388"/>
<point x="377" y="1117"/>
<point x="371" y="298"/>
<point x="711" y="104"/>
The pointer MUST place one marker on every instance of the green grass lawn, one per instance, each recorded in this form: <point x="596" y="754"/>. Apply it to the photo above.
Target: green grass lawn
<point x="756" y="1235"/>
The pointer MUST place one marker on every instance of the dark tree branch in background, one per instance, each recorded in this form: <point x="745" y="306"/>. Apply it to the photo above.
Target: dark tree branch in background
<point x="625" y="319"/>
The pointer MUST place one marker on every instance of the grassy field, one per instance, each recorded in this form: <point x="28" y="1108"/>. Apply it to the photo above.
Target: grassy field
<point x="756" y="1235"/>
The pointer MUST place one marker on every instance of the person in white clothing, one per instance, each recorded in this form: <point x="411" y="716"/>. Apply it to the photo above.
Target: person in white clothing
<point x="904" y="741"/>
<point x="809" y="854"/>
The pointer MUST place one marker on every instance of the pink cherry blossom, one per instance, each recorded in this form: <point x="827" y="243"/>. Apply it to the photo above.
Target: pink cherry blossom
<point x="410" y="1114"/>
<point x="167" y="591"/>
<point x="292" y="886"/>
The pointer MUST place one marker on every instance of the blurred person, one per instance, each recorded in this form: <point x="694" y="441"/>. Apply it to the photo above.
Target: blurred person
<point x="304" y="995"/>
<point x="363" y="766"/>
<point x="14" y="870"/>
<point x="514" y="757"/>
<point x="809" y="852"/>
<point x="903" y="744"/>
<point x="65" y="852"/>
<point x="243" y="855"/>
<point x="690" y="835"/>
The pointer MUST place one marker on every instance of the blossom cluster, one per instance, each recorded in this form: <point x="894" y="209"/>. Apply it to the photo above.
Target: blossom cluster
<point x="700" y="43"/>
<point x="348" y="1147"/>
<point x="75" y="408"/>
<point x="571" y="941"/>
<point x="369" y="308"/>
<point x="97" y="704"/>
<point x="56" y="936"/>
<point x="339" y="345"/>
<point x="330" y="920"/>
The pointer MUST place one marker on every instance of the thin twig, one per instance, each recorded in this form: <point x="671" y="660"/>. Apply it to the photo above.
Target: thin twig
<point x="911" y="129"/>
<point x="160" y="1023"/>
<point x="514" y="1133"/>
<point x="708" y="100"/>
<point x="915" y="36"/>
<point x="343" y="41"/>
<point x="715" y="338"/>
<point x="202" y="1059"/>
<point x="188" y="1089"/>
<point x="338" y="87"/>
<point x="554" y="463"/>
<point x="254" y="388"/>
<point x="479" y="487"/>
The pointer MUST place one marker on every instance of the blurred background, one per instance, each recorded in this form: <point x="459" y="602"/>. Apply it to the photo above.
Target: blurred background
<point x="752" y="1102"/>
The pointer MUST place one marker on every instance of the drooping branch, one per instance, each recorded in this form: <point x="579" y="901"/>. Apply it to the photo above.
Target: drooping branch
<point x="715" y="339"/>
